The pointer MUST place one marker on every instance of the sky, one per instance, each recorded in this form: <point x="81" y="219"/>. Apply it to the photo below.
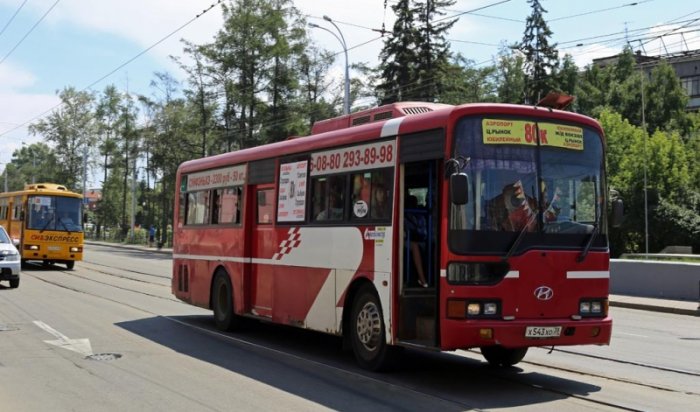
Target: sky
<point x="47" y="45"/>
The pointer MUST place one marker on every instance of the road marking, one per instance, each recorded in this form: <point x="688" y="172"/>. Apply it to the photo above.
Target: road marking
<point x="632" y="334"/>
<point x="82" y="346"/>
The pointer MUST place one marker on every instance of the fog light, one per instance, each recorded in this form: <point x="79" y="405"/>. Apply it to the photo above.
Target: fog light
<point x="474" y="309"/>
<point x="490" y="308"/>
<point x="486" y="333"/>
<point x="596" y="307"/>
<point x="595" y="331"/>
<point x="585" y="307"/>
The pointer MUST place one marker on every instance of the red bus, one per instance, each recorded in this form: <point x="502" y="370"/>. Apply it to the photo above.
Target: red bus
<point x="414" y="224"/>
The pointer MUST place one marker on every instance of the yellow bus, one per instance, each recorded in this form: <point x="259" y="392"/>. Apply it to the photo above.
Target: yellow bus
<point x="45" y="223"/>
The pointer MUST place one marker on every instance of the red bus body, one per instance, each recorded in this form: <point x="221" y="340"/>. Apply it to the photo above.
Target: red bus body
<point x="286" y="266"/>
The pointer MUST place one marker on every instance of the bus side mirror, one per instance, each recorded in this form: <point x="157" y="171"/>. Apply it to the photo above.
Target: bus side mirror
<point x="617" y="212"/>
<point x="459" y="189"/>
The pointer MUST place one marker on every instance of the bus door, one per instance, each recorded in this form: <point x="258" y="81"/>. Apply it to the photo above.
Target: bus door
<point x="421" y="164"/>
<point x="260" y="239"/>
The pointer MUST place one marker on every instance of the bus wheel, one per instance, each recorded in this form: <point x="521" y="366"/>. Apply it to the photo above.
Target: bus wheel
<point x="222" y="302"/>
<point x="70" y="264"/>
<point x="500" y="356"/>
<point x="14" y="283"/>
<point x="368" y="335"/>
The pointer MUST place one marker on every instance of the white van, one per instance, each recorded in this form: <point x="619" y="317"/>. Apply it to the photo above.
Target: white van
<point x="10" y="261"/>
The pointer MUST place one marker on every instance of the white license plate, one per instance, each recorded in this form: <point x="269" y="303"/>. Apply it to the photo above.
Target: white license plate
<point x="542" y="332"/>
<point x="55" y="248"/>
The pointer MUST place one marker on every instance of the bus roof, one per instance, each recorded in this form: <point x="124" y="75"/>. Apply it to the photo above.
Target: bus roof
<point x="43" y="188"/>
<point x="415" y="116"/>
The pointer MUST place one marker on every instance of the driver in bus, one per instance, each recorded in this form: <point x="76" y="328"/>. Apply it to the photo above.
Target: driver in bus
<point x="519" y="208"/>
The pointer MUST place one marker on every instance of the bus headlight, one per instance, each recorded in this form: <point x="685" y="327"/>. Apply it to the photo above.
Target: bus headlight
<point x="31" y="247"/>
<point x="75" y="249"/>
<point x="462" y="308"/>
<point x="593" y="307"/>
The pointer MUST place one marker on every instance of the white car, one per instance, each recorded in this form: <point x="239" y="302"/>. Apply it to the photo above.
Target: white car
<point x="10" y="261"/>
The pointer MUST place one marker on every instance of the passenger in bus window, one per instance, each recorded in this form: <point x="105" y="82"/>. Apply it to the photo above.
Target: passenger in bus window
<point x="334" y="207"/>
<point x="361" y="187"/>
<point x="381" y="207"/>
<point x="519" y="208"/>
<point x="416" y="233"/>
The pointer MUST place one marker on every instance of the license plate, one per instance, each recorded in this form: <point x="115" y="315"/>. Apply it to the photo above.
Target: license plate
<point x="55" y="248"/>
<point x="542" y="332"/>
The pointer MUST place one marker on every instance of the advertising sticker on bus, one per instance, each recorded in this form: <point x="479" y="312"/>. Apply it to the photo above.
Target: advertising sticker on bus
<point x="291" y="202"/>
<point x="503" y="131"/>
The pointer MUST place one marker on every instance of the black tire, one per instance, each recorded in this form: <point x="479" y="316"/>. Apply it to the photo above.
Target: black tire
<point x="500" y="356"/>
<point x="14" y="283"/>
<point x="367" y="330"/>
<point x="70" y="264"/>
<point x="222" y="302"/>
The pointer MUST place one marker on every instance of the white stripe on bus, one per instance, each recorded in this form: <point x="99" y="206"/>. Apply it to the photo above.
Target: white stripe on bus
<point x="391" y="127"/>
<point x="588" y="274"/>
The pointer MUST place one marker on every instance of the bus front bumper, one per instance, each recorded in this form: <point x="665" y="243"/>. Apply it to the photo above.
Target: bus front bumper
<point x="514" y="334"/>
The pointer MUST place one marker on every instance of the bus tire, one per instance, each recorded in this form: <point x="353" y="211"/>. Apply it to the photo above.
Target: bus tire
<point x="222" y="302"/>
<point x="500" y="356"/>
<point x="70" y="264"/>
<point x="367" y="330"/>
<point x="14" y="283"/>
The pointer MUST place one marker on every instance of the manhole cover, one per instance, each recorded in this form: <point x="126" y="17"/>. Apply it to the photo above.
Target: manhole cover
<point x="6" y="328"/>
<point x="104" y="357"/>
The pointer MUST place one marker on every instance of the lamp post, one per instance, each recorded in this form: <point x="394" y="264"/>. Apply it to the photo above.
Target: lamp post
<point x="341" y="39"/>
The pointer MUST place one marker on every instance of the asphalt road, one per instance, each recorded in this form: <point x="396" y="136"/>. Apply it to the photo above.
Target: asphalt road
<point x="109" y="336"/>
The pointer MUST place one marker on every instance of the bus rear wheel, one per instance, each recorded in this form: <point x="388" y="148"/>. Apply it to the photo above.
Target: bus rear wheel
<point x="500" y="356"/>
<point x="70" y="264"/>
<point x="222" y="302"/>
<point x="367" y="330"/>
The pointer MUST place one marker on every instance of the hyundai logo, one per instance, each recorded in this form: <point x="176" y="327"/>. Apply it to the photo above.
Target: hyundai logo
<point x="544" y="293"/>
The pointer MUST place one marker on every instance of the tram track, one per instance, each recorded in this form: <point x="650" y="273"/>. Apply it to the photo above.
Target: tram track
<point x="495" y="374"/>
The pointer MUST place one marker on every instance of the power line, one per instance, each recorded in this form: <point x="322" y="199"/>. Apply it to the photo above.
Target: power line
<point x="13" y="17"/>
<point x="30" y="30"/>
<point x="599" y="11"/>
<point x="118" y="67"/>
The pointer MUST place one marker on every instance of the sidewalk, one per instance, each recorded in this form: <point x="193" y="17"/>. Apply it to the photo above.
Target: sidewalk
<point x="632" y="302"/>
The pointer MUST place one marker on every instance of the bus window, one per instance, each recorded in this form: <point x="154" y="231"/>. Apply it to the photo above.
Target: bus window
<point x="228" y="205"/>
<point x="329" y="198"/>
<point x="372" y="194"/>
<point x="197" y="208"/>
<point x="265" y="206"/>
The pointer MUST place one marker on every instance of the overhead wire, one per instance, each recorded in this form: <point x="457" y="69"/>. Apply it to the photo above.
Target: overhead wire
<point x="29" y="32"/>
<point x="13" y="17"/>
<point x="118" y="67"/>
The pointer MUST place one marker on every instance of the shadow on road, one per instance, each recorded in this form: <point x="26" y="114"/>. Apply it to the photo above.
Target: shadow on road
<point x="314" y="366"/>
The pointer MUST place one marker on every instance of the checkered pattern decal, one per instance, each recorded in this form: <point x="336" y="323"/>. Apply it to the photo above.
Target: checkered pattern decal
<point x="293" y="240"/>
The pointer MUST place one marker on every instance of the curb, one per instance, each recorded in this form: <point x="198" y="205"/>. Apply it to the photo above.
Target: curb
<point x="131" y="247"/>
<point x="656" y="308"/>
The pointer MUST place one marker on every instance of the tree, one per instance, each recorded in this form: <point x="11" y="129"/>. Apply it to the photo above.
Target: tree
<point x="466" y="83"/>
<point x="399" y="56"/>
<point x="541" y="58"/>
<point x="665" y="99"/>
<point x="433" y="48"/>
<point x="71" y="129"/>
<point x="510" y="75"/>
<point x="32" y="163"/>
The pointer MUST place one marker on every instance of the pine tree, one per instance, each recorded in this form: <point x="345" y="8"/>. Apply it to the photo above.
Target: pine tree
<point x="399" y="57"/>
<point x="541" y="58"/>
<point x="433" y="49"/>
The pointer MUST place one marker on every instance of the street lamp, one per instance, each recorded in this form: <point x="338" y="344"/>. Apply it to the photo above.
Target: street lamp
<point x="341" y="39"/>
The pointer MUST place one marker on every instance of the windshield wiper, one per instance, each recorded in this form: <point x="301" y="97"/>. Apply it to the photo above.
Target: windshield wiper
<point x="47" y="224"/>
<point x="63" y="224"/>
<point x="589" y="243"/>
<point x="519" y="239"/>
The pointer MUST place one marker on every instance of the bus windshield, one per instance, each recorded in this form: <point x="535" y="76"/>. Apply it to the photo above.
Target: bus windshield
<point x="552" y="186"/>
<point x="55" y="213"/>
